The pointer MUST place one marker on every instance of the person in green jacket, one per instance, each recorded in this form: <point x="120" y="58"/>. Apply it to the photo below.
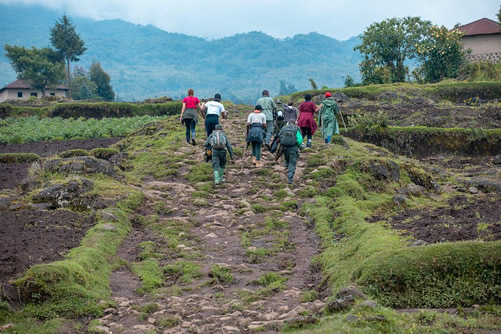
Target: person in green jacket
<point x="218" y="142"/>
<point x="269" y="109"/>
<point x="290" y="141"/>
<point x="327" y="117"/>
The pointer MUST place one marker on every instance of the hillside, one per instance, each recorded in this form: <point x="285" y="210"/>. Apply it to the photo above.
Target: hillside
<point x="144" y="61"/>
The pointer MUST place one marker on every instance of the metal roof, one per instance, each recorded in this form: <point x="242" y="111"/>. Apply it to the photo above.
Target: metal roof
<point x="483" y="26"/>
<point x="20" y="84"/>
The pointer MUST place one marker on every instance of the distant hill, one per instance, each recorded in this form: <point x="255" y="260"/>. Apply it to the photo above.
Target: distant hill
<point x="146" y="62"/>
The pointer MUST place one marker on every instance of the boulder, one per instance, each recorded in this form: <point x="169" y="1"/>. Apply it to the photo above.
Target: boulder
<point x="415" y="190"/>
<point x="65" y="195"/>
<point x="80" y="165"/>
<point x="399" y="199"/>
<point x="387" y="96"/>
<point x="497" y="160"/>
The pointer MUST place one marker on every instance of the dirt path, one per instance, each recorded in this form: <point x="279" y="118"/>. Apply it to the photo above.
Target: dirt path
<point x="252" y="248"/>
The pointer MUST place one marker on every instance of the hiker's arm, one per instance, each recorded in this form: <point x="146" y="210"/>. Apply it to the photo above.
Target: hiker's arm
<point x="182" y="111"/>
<point x="319" y="107"/>
<point x="264" y="124"/>
<point x="230" y="149"/>
<point x="203" y="107"/>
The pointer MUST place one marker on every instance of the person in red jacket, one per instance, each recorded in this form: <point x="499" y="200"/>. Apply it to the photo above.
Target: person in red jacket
<point x="305" y="119"/>
<point x="189" y="115"/>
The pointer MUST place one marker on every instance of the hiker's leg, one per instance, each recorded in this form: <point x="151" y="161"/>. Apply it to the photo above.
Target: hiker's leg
<point x="291" y="169"/>
<point x="328" y="140"/>
<point x="187" y="123"/>
<point x="215" y="166"/>
<point x="269" y="131"/>
<point x="258" y="151"/>
<point x="222" y="165"/>
<point x="193" y="131"/>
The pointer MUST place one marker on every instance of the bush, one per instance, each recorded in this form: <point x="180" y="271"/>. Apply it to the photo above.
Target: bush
<point x="19" y="157"/>
<point x="114" y="109"/>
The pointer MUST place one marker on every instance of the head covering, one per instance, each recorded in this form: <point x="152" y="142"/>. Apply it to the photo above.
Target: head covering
<point x="218" y="127"/>
<point x="307" y="97"/>
<point x="328" y="94"/>
<point x="266" y="93"/>
<point x="258" y="107"/>
<point x="217" y="97"/>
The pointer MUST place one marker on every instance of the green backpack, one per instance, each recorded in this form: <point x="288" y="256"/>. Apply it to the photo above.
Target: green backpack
<point x="218" y="140"/>
<point x="288" y="136"/>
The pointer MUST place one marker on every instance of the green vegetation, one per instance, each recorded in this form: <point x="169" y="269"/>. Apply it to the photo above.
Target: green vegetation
<point x="30" y="129"/>
<point x="376" y="257"/>
<point x="19" y="157"/>
<point x="185" y="271"/>
<point x="453" y="91"/>
<point x="221" y="274"/>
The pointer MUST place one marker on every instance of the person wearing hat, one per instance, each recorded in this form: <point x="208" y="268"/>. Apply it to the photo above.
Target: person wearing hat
<point x="256" y="131"/>
<point x="327" y="117"/>
<point x="219" y="143"/>
<point x="269" y="110"/>
<point x="211" y="111"/>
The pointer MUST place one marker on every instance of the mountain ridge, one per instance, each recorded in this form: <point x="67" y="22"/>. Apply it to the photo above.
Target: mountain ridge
<point x="146" y="61"/>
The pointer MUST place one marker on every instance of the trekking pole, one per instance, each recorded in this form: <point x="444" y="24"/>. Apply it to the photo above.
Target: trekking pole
<point x="343" y="120"/>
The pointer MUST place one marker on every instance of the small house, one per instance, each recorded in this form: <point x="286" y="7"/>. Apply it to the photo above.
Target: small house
<point x="483" y="37"/>
<point x="19" y="89"/>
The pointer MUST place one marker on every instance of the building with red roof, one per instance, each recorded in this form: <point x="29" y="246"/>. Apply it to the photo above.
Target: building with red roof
<point x="483" y="38"/>
<point x="20" y="89"/>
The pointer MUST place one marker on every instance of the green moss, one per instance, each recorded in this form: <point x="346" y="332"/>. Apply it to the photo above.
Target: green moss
<point x="258" y="208"/>
<point x="185" y="271"/>
<point x="74" y="285"/>
<point x="19" y="157"/>
<point x="200" y="173"/>
<point x="78" y="152"/>
<point x="104" y="152"/>
<point x="221" y="274"/>
<point x="150" y="274"/>
<point x="309" y="296"/>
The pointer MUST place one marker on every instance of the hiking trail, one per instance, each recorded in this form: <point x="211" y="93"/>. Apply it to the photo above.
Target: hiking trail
<point x="238" y="255"/>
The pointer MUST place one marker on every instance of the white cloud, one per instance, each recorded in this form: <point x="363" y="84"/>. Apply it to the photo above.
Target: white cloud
<point x="341" y="19"/>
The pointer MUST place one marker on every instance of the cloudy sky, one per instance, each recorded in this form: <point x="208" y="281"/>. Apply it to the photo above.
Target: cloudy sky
<point x="340" y="19"/>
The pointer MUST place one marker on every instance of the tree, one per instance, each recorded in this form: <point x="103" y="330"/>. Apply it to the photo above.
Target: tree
<point x="348" y="81"/>
<point x="286" y="89"/>
<point x="38" y="67"/>
<point x="102" y="81"/>
<point x="386" y="45"/>
<point x="83" y="87"/>
<point x="68" y="43"/>
<point x="313" y="83"/>
<point x="499" y="15"/>
<point x="441" y="54"/>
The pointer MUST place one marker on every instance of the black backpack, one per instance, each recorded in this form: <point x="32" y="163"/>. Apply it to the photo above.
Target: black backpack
<point x="288" y="136"/>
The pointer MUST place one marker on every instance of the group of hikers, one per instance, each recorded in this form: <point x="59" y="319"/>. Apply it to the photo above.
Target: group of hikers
<point x="278" y="126"/>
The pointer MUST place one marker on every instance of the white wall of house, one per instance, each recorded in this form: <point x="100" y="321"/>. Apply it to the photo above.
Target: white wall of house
<point x="483" y="44"/>
<point x="23" y="93"/>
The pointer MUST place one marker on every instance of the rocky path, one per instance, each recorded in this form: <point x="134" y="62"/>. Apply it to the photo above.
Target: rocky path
<point x="234" y="258"/>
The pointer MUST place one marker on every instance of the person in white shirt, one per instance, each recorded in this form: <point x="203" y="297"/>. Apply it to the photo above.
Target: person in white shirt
<point x="211" y="111"/>
<point x="256" y="132"/>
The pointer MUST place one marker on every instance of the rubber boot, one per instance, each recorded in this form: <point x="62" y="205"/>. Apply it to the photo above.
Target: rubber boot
<point x="216" y="177"/>
<point x="308" y="144"/>
<point x="254" y="160"/>
<point x="328" y="140"/>
<point x="290" y="176"/>
<point x="188" y="140"/>
<point x="221" y="175"/>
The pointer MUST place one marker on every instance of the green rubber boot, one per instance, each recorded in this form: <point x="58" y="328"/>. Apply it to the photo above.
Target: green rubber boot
<point x="216" y="177"/>
<point x="221" y="175"/>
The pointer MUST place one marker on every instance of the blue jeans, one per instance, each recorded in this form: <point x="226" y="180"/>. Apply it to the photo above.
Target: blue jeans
<point x="269" y="131"/>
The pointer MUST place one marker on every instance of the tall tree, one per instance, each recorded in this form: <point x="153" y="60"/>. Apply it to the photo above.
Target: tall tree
<point x="102" y="81"/>
<point x="442" y="54"/>
<point x="386" y="45"/>
<point x="39" y="67"/>
<point x="68" y="43"/>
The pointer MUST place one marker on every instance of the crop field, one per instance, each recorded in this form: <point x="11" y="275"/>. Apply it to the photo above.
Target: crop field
<point x="17" y="130"/>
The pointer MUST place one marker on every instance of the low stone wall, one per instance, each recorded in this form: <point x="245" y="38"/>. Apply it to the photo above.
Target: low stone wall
<point x="494" y="57"/>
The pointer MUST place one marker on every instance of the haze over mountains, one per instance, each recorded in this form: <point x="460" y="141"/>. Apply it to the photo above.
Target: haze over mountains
<point x="146" y="62"/>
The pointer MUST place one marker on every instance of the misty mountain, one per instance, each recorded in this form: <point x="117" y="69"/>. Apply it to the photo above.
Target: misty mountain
<point x="145" y="62"/>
